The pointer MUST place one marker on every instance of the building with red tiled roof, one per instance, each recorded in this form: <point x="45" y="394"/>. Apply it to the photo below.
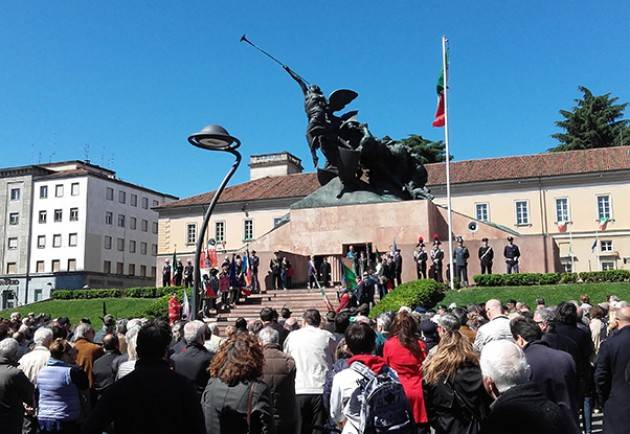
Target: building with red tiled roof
<point x="528" y="195"/>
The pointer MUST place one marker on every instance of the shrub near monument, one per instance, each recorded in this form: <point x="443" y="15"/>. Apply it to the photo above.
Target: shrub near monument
<point x="529" y="279"/>
<point x="412" y="294"/>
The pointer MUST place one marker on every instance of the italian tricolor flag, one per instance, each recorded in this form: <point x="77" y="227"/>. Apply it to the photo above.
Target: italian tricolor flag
<point x="349" y="275"/>
<point x="439" y="112"/>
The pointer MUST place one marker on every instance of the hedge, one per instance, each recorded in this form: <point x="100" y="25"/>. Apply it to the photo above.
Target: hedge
<point x="605" y="276"/>
<point x="150" y="292"/>
<point x="525" y="279"/>
<point x="426" y="292"/>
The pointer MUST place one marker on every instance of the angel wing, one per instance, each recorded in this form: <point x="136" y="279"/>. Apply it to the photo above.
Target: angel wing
<point x="340" y="98"/>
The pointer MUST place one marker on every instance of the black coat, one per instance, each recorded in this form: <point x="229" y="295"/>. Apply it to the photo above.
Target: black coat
<point x="553" y="371"/>
<point x="612" y="385"/>
<point x="103" y="371"/>
<point x="192" y="363"/>
<point x="225" y="408"/>
<point x="279" y="375"/>
<point x="152" y="399"/>
<point x="453" y="406"/>
<point x="524" y="410"/>
<point x="582" y="358"/>
<point x="15" y="389"/>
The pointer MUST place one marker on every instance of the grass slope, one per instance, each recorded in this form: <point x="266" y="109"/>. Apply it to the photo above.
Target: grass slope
<point x="553" y="294"/>
<point x="93" y="308"/>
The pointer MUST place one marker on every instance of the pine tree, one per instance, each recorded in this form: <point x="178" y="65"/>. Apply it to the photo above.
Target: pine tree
<point x="595" y="122"/>
<point x="426" y="150"/>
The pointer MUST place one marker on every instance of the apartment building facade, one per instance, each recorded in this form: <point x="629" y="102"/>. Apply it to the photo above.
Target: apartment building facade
<point x="82" y="227"/>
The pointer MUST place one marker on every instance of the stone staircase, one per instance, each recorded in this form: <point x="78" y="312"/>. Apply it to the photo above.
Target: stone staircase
<point x="298" y="300"/>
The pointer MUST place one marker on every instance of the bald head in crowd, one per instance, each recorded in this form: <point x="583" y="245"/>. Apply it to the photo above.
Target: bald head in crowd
<point x="493" y="308"/>
<point x="623" y="317"/>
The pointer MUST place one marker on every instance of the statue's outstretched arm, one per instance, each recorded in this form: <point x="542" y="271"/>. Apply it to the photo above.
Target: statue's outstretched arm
<point x="297" y="78"/>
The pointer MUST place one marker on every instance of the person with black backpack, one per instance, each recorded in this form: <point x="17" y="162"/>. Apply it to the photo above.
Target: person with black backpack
<point x="367" y="397"/>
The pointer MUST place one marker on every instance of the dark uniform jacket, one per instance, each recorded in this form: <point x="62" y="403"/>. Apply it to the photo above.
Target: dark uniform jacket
<point x="612" y="385"/>
<point x="524" y="410"/>
<point x="511" y="252"/>
<point x="487" y="259"/>
<point x="152" y="399"/>
<point x="15" y="389"/>
<point x="279" y="375"/>
<point x="192" y="363"/>
<point x="226" y="408"/>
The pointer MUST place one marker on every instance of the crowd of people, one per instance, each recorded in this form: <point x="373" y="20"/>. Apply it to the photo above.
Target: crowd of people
<point x="491" y="368"/>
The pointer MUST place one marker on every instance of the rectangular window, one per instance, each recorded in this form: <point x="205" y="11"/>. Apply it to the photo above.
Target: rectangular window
<point x="39" y="267"/>
<point x="15" y="194"/>
<point x="37" y="295"/>
<point x="74" y="189"/>
<point x="191" y="233"/>
<point x="107" y="267"/>
<point x="143" y="270"/>
<point x="121" y="220"/>
<point x="133" y="200"/>
<point x="120" y="268"/>
<point x="248" y="230"/>
<point x="603" y="207"/>
<point x="43" y="192"/>
<point x="481" y="212"/>
<point x="58" y="215"/>
<point x="145" y="203"/>
<point x="59" y="190"/>
<point x="606" y="246"/>
<point x="74" y="214"/>
<point x="132" y="246"/>
<point x="522" y="212"/>
<point x="219" y="232"/>
<point x="132" y="269"/>
<point x="608" y="265"/>
<point x="14" y="218"/>
<point x="73" y="240"/>
<point x="562" y="210"/>
<point x="109" y="193"/>
<point x="156" y="203"/>
<point x="154" y="227"/>
<point x="154" y="249"/>
<point x="143" y="248"/>
<point x="43" y="216"/>
<point x="11" y="267"/>
<point x="107" y="243"/>
<point x="13" y="243"/>
<point x="144" y="225"/>
<point x="57" y="240"/>
<point x="566" y="267"/>
<point x="122" y="196"/>
<point x="41" y="241"/>
<point x="132" y="223"/>
<point x="120" y="244"/>
<point x="109" y="217"/>
<point x="55" y="265"/>
<point x="72" y="265"/>
<point x="153" y="271"/>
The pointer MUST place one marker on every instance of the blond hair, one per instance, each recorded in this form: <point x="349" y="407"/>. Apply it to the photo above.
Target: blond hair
<point x="453" y="351"/>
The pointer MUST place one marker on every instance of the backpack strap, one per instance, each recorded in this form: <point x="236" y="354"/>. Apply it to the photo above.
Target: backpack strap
<point x="363" y="370"/>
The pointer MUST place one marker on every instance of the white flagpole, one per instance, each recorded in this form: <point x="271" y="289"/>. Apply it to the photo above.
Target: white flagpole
<point x="448" y="173"/>
<point x="571" y="248"/>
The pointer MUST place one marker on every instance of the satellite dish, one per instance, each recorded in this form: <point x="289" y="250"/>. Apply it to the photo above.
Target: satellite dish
<point x="473" y="227"/>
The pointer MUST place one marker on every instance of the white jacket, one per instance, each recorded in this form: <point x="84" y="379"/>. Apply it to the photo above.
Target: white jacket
<point x="32" y="362"/>
<point x="313" y="350"/>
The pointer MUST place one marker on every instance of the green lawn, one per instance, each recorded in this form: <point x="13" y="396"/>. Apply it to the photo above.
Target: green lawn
<point x="553" y="294"/>
<point x="92" y="308"/>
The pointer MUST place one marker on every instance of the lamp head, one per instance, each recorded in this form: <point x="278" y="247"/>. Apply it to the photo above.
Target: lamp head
<point x="214" y="138"/>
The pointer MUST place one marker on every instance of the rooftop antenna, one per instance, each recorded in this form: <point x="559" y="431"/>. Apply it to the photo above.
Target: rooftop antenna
<point x="86" y="152"/>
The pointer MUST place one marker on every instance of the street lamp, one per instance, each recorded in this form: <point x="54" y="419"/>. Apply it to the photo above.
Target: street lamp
<point x="211" y="138"/>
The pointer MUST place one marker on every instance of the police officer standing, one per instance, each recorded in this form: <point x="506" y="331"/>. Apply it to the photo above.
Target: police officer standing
<point x="460" y="259"/>
<point x="486" y="256"/>
<point x="512" y="255"/>
<point x="437" y="256"/>
<point x="420" y="257"/>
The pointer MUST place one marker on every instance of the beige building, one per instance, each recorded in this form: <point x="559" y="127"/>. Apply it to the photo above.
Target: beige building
<point x="528" y="196"/>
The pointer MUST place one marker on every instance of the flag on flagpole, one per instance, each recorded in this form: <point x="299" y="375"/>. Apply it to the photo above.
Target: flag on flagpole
<point x="603" y="222"/>
<point x="185" y="306"/>
<point x="173" y="267"/>
<point x="562" y="227"/>
<point x="202" y="260"/>
<point x="247" y="269"/>
<point x="440" y="117"/>
<point x="594" y="246"/>
<point x="213" y="258"/>
<point x="349" y="276"/>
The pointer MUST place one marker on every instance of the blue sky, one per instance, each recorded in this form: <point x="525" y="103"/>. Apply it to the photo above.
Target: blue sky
<point x="126" y="82"/>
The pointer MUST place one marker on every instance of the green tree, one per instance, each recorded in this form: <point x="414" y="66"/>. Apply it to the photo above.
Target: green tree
<point x="426" y="150"/>
<point x="595" y="122"/>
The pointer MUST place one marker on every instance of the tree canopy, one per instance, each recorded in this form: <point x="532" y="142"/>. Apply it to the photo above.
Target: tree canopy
<point x="596" y="121"/>
<point x="426" y="150"/>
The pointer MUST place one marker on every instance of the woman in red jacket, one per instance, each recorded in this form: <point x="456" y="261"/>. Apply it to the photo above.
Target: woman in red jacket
<point x="405" y="352"/>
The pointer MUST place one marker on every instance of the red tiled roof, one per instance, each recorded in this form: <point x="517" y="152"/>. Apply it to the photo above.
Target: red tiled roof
<point x="294" y="185"/>
<point x="532" y="166"/>
<point x="490" y="169"/>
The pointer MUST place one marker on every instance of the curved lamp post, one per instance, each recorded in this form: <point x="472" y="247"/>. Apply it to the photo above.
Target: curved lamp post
<point x="211" y="138"/>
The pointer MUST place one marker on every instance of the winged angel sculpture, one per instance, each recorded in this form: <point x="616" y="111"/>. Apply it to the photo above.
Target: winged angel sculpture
<point x="360" y="160"/>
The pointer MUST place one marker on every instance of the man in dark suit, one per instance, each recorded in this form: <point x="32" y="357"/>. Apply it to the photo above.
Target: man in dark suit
<point x="103" y="369"/>
<point x="553" y="371"/>
<point x="194" y="360"/>
<point x="612" y="385"/>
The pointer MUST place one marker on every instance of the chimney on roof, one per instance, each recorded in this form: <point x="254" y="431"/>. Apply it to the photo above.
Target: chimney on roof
<point x="278" y="164"/>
